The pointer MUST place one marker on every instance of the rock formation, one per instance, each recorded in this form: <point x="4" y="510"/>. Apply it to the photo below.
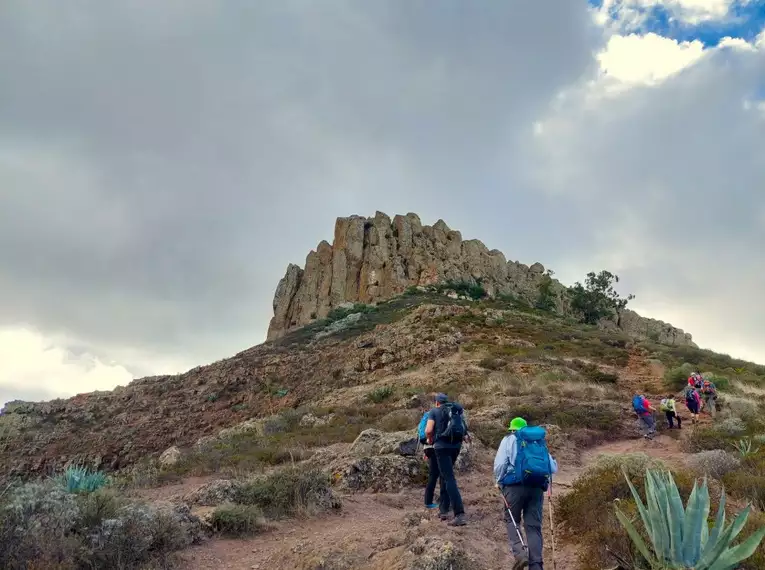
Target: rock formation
<point x="373" y="259"/>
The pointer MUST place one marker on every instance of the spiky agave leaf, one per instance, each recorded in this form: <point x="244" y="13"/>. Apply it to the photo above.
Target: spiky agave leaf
<point x="640" y="506"/>
<point x="731" y="557"/>
<point x="676" y="517"/>
<point x="724" y="540"/>
<point x="636" y="538"/>
<point x="717" y="530"/>
<point x="696" y="514"/>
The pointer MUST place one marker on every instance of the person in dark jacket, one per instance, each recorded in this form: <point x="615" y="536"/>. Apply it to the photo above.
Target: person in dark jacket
<point x="446" y="451"/>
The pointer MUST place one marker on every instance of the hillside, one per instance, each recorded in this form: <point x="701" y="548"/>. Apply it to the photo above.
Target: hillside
<point x="299" y="452"/>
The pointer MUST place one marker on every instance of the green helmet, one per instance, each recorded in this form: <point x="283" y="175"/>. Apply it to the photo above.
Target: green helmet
<point x="517" y="424"/>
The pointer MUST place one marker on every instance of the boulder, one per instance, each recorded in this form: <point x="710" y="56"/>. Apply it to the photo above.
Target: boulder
<point x="170" y="457"/>
<point x="214" y="493"/>
<point x="372" y="442"/>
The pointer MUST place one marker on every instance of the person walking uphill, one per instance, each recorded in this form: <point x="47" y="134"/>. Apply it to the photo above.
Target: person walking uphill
<point x="644" y="411"/>
<point x="693" y="403"/>
<point x="669" y="407"/>
<point x="446" y="429"/>
<point x="523" y="469"/>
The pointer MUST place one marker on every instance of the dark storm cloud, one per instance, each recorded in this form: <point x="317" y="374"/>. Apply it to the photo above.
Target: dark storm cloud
<point x="161" y="163"/>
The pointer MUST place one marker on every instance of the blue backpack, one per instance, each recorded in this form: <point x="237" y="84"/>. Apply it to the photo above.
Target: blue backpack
<point x="637" y="404"/>
<point x="421" y="428"/>
<point x="532" y="460"/>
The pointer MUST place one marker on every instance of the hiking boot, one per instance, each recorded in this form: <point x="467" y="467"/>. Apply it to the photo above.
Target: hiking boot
<point x="521" y="562"/>
<point x="431" y="506"/>
<point x="459" y="520"/>
<point x="444" y="516"/>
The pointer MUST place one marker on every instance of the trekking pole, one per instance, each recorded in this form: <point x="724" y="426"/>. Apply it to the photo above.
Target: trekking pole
<point x="552" y="524"/>
<point x="512" y="518"/>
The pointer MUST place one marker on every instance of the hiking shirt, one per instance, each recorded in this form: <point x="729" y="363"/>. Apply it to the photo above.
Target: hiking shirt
<point x="438" y="415"/>
<point x="504" y="461"/>
<point x="668" y="405"/>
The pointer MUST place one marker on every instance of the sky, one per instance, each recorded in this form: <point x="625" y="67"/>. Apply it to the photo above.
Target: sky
<point x="161" y="163"/>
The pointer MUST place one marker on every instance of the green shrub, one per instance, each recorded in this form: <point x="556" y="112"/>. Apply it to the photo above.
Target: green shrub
<point x="597" y="299"/>
<point x="238" y="520"/>
<point x="380" y="394"/>
<point x="290" y="492"/>
<point x="677" y="378"/>
<point x="464" y="289"/>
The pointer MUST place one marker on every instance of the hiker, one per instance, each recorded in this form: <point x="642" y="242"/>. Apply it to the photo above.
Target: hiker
<point x="709" y="394"/>
<point x="693" y="403"/>
<point x="430" y="458"/>
<point x="644" y="412"/>
<point x="669" y="408"/>
<point x="523" y="469"/>
<point x="445" y="431"/>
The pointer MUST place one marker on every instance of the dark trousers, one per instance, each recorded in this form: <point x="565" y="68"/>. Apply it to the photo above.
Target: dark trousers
<point x="450" y="492"/>
<point x="526" y="505"/>
<point x="433" y="475"/>
<point x="671" y="417"/>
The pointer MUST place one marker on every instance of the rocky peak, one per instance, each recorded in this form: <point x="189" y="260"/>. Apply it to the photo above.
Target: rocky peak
<point x="373" y="259"/>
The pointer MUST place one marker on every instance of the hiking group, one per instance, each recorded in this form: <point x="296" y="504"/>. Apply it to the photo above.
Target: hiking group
<point x="699" y="394"/>
<point x="523" y="470"/>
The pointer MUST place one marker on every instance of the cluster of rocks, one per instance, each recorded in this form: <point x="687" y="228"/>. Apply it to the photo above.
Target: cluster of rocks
<point x="374" y="259"/>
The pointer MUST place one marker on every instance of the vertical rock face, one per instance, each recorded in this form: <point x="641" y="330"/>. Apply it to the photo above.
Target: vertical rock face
<point x="372" y="259"/>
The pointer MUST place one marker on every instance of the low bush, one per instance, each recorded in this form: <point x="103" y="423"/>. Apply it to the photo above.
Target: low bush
<point x="380" y="394"/>
<point x="290" y="492"/>
<point x="714" y="463"/>
<point x="238" y="520"/>
<point x="44" y="526"/>
<point x="707" y="439"/>
<point x="677" y="378"/>
<point x="731" y="426"/>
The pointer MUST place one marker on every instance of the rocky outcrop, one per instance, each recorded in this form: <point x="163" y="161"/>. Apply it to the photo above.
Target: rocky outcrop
<point x="374" y="259"/>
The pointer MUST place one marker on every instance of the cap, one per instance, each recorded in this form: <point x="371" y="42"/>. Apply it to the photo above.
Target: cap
<point x="517" y="424"/>
<point x="441" y="398"/>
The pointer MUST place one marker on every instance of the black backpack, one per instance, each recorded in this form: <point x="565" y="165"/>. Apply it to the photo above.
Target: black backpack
<point x="454" y="421"/>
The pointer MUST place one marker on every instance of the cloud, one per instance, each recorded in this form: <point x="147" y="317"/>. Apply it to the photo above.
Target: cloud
<point x="670" y="172"/>
<point x="161" y="163"/>
<point x="33" y="367"/>
<point x="647" y="59"/>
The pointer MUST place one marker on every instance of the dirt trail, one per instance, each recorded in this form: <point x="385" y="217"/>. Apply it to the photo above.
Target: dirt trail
<point x="374" y="530"/>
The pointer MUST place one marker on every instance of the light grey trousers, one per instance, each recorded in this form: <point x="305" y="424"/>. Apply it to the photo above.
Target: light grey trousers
<point x="526" y="503"/>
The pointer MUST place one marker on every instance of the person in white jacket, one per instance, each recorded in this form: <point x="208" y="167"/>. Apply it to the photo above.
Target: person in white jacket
<point x="524" y="489"/>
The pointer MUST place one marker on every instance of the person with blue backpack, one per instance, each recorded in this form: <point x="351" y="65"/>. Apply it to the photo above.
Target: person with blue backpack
<point x="523" y="470"/>
<point x="445" y="430"/>
<point x="644" y="411"/>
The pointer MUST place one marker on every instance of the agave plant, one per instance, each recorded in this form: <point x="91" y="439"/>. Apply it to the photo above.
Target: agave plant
<point x="78" y="479"/>
<point x="744" y="447"/>
<point x="680" y="537"/>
